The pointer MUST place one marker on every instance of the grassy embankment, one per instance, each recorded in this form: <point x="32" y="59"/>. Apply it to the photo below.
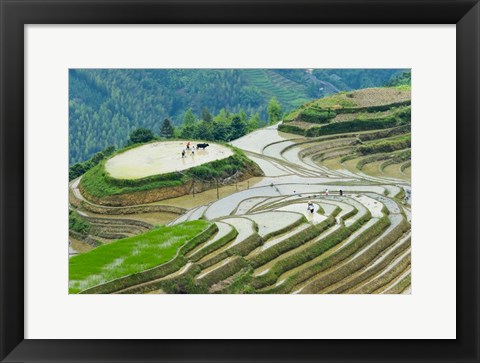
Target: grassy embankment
<point x="98" y="183"/>
<point x="77" y="224"/>
<point x="130" y="255"/>
<point x="368" y="109"/>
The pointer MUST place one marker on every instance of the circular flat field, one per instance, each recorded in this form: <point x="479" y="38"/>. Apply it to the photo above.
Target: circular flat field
<point x="162" y="157"/>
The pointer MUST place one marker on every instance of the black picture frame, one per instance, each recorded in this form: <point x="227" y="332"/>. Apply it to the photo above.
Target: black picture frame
<point x="15" y="14"/>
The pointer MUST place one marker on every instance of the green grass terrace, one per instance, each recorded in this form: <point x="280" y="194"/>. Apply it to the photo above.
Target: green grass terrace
<point x="130" y="255"/>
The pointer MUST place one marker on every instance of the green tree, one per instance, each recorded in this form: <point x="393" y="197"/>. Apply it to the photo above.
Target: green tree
<point x="166" y="130"/>
<point x="206" y="115"/>
<point x="203" y="131"/>
<point x="140" y="135"/>
<point x="222" y="116"/>
<point x="238" y="127"/>
<point x="243" y="115"/>
<point x="109" y="150"/>
<point x="405" y="78"/>
<point x="274" y="110"/>
<point x="187" y="131"/>
<point x="254" y="122"/>
<point x="221" y="131"/>
<point x="189" y="118"/>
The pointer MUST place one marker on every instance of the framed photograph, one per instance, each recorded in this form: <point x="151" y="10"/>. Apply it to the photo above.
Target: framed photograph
<point x="239" y="181"/>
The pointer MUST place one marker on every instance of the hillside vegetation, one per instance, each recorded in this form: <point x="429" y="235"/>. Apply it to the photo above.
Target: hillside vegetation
<point x="264" y="240"/>
<point x="367" y="109"/>
<point x="99" y="185"/>
<point x="130" y="255"/>
<point x="106" y="105"/>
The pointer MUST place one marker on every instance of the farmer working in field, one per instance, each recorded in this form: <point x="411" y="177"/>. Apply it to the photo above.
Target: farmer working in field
<point x="310" y="206"/>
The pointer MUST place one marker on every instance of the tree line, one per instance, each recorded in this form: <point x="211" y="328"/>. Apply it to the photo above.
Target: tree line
<point x="106" y="105"/>
<point x="224" y="127"/>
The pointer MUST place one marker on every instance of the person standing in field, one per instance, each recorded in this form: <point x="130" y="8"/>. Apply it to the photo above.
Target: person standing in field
<point x="183" y="154"/>
<point x="310" y="206"/>
<point x="326" y="192"/>
<point x="341" y="192"/>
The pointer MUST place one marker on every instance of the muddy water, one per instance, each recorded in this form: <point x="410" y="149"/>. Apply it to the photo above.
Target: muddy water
<point x="269" y="168"/>
<point x="374" y="206"/>
<point x="268" y="202"/>
<point x="159" y="218"/>
<point x="208" y="196"/>
<point x="269" y="222"/>
<point x="243" y="226"/>
<point x="227" y="205"/>
<point x="292" y="155"/>
<point x="161" y="157"/>
<point x="247" y="204"/>
<point x="275" y="150"/>
<point x="264" y="268"/>
<point x="276" y="240"/>
<point x="77" y="246"/>
<point x="294" y="179"/>
<point x="391" y="205"/>
<point x="223" y="230"/>
<point x="313" y="218"/>
<point x="257" y="140"/>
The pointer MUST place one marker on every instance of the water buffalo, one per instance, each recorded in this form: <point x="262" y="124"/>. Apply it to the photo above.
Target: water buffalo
<point x="202" y="146"/>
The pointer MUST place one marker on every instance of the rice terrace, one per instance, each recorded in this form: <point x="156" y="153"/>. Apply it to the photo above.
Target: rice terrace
<point x="315" y="201"/>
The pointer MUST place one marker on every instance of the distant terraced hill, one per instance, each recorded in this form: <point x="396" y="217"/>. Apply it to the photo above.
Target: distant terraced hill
<point x="272" y="84"/>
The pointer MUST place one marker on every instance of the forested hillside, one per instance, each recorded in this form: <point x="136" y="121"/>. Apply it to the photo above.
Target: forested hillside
<point x="106" y="105"/>
<point x="352" y="79"/>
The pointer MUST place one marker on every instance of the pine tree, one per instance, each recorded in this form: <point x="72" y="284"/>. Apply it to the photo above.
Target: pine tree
<point x="187" y="132"/>
<point x="243" y="115"/>
<point x="238" y="127"/>
<point x="206" y="115"/>
<point x="221" y="131"/>
<point x="189" y="118"/>
<point x="166" y="130"/>
<point x="140" y="135"/>
<point x="203" y="131"/>
<point x="274" y="110"/>
<point x="254" y="122"/>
